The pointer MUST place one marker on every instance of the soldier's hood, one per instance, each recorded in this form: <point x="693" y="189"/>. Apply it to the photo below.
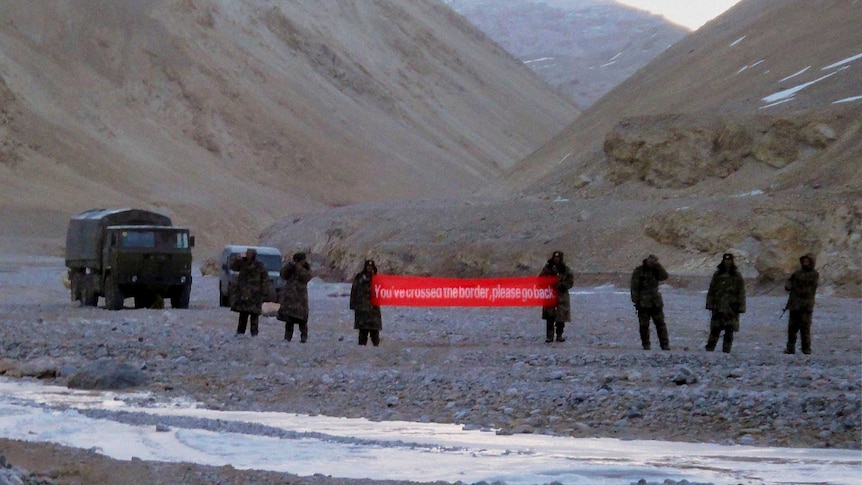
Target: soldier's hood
<point x="809" y="256"/>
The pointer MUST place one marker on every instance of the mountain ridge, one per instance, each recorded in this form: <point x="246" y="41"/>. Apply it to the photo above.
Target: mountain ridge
<point x="232" y="111"/>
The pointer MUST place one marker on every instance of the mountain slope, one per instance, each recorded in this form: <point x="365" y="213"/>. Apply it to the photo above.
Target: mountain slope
<point x="582" y="48"/>
<point x="728" y="141"/>
<point x="740" y="64"/>
<point x="225" y="114"/>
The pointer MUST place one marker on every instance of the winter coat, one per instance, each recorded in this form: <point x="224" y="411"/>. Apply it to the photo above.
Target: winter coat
<point x="252" y="286"/>
<point x="802" y="286"/>
<point x="644" y="286"/>
<point x="294" y="297"/>
<point x="561" y="312"/>
<point x="366" y="316"/>
<point x="726" y="297"/>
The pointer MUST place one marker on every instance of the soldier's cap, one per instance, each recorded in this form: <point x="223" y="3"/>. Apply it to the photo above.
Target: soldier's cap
<point x="299" y="257"/>
<point x="557" y="254"/>
<point x="251" y="250"/>
<point x="652" y="257"/>
<point x="727" y="256"/>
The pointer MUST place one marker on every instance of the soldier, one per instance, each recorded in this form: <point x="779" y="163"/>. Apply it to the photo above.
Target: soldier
<point x="726" y="300"/>
<point x="555" y="317"/>
<point x="802" y="286"/>
<point x="367" y="318"/>
<point x="252" y="284"/>
<point x="648" y="302"/>
<point x="294" y="297"/>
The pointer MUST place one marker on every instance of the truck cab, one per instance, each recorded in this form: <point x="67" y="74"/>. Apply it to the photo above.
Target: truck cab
<point x="148" y="261"/>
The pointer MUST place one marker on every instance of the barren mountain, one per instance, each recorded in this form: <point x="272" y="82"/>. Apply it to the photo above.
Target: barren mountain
<point x="582" y="48"/>
<point x="227" y="114"/>
<point x="743" y="137"/>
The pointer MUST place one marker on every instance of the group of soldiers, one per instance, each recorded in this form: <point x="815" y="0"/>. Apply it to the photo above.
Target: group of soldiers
<point x="253" y="283"/>
<point x="725" y="299"/>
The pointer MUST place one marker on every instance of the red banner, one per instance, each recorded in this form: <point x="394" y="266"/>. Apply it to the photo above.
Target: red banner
<point x="391" y="290"/>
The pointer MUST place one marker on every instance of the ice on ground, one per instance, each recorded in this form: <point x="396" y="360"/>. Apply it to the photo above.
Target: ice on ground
<point x="393" y="450"/>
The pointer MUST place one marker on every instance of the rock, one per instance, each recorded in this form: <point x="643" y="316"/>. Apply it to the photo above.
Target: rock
<point x="107" y="374"/>
<point x="683" y="375"/>
<point x="747" y="440"/>
<point x="209" y="267"/>
<point x="556" y="375"/>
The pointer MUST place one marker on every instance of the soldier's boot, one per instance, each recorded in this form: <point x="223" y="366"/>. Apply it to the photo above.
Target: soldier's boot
<point x="254" y="325"/>
<point x="791" y="340"/>
<point x="644" y="331"/>
<point x="242" y="323"/>
<point x="712" y="340"/>
<point x="288" y="331"/>
<point x="661" y="331"/>
<point x="727" y="344"/>
<point x="560" y="327"/>
<point x="549" y="331"/>
<point x="663" y="339"/>
<point x="303" y="333"/>
<point x="363" y="337"/>
<point x="375" y="337"/>
<point x="805" y="334"/>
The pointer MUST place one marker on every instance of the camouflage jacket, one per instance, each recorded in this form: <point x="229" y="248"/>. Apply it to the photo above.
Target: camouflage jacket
<point x="294" y="297"/>
<point x="644" y="286"/>
<point x="802" y="286"/>
<point x="565" y="280"/>
<point x="726" y="294"/>
<point x="366" y="315"/>
<point x="252" y="286"/>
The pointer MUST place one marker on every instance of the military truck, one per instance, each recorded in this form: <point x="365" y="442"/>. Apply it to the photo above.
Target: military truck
<point x="128" y="253"/>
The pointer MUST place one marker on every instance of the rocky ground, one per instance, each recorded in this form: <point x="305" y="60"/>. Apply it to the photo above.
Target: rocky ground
<point x="483" y="368"/>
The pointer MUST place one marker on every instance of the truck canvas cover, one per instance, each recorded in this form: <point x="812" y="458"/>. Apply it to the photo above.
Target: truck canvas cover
<point x="83" y="247"/>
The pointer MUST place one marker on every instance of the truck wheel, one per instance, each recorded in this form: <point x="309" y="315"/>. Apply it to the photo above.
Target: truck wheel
<point x="113" y="294"/>
<point x="85" y="290"/>
<point x="223" y="300"/>
<point x="180" y="298"/>
<point x="89" y="297"/>
<point x="75" y="286"/>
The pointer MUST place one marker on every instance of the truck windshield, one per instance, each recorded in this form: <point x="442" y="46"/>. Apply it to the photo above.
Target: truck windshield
<point x="154" y="239"/>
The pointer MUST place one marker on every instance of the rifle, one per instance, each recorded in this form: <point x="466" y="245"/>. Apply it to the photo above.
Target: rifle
<point x="786" y="305"/>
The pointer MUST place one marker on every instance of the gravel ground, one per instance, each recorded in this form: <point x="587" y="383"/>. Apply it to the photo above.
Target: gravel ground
<point x="483" y="368"/>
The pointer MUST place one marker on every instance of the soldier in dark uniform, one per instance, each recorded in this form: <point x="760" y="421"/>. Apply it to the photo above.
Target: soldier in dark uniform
<point x="252" y="284"/>
<point x="294" y="297"/>
<point x="367" y="317"/>
<point x="802" y="286"/>
<point x="648" y="301"/>
<point x="726" y="300"/>
<point x="555" y="317"/>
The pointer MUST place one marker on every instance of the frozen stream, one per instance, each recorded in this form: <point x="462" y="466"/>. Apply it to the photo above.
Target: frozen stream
<point x="114" y="425"/>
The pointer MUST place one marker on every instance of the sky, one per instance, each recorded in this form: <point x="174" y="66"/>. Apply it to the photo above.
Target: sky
<point x="689" y="13"/>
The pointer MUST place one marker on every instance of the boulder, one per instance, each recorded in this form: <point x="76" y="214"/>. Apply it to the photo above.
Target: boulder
<point x="107" y="374"/>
